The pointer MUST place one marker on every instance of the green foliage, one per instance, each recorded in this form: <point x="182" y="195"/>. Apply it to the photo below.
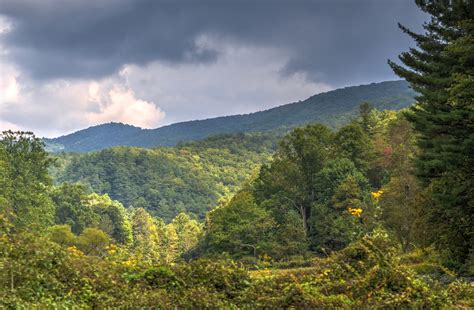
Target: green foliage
<point x="156" y="242"/>
<point x="161" y="277"/>
<point x="146" y="237"/>
<point x="367" y="274"/>
<point x="348" y="194"/>
<point x="401" y="211"/>
<point x="367" y="117"/>
<point x="79" y="210"/>
<point x="333" y="174"/>
<point x="113" y="218"/>
<point x="240" y="228"/>
<point x="306" y="225"/>
<point x="71" y="209"/>
<point x="441" y="70"/>
<point x="353" y="142"/>
<point x="6" y="185"/>
<point x="403" y="198"/>
<point x="62" y="235"/>
<point x="289" y="180"/>
<point x="189" y="232"/>
<point x="315" y="175"/>
<point x="339" y="188"/>
<point x="190" y="178"/>
<point x="93" y="241"/>
<point x="34" y="272"/>
<point x="128" y="259"/>
<point x="24" y="164"/>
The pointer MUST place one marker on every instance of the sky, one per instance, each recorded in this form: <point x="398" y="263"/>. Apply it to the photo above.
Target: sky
<point x="70" y="64"/>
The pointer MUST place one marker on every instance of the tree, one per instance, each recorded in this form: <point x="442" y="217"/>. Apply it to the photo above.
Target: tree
<point x="402" y="197"/>
<point x="145" y="236"/>
<point x="93" y="241"/>
<point x="289" y="179"/>
<point x="62" y="235"/>
<point x="113" y="218"/>
<point x="26" y="170"/>
<point x="367" y="119"/>
<point x="330" y="178"/>
<point x="441" y="70"/>
<point x="6" y="186"/>
<point x="188" y="230"/>
<point x="401" y="142"/>
<point x="240" y="228"/>
<point x="341" y="189"/>
<point x="401" y="203"/>
<point x="348" y="194"/>
<point x="71" y="209"/>
<point x="169" y="249"/>
<point x="352" y="142"/>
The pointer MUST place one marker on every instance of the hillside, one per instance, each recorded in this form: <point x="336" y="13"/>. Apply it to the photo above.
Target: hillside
<point x="331" y="108"/>
<point x="190" y="177"/>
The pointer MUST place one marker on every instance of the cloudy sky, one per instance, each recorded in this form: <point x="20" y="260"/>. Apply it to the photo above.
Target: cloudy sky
<point x="70" y="64"/>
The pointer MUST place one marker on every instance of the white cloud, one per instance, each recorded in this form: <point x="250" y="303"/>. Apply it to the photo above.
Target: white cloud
<point x="62" y="106"/>
<point x="241" y="80"/>
<point x="9" y="126"/>
<point x="124" y="107"/>
<point x="9" y="86"/>
<point x="5" y="25"/>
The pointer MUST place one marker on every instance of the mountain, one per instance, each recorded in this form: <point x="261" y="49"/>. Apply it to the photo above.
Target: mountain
<point x="332" y="108"/>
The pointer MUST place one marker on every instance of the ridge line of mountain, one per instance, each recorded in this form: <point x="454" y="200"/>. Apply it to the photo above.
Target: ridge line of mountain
<point x="332" y="108"/>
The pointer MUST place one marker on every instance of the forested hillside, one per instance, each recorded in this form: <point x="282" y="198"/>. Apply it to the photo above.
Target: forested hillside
<point x="333" y="108"/>
<point x="191" y="177"/>
<point x="335" y="219"/>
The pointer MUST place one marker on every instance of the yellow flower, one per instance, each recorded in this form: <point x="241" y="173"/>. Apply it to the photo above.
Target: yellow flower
<point x="74" y="251"/>
<point x="376" y="195"/>
<point x="112" y="249"/>
<point x="355" y="211"/>
<point x="129" y="263"/>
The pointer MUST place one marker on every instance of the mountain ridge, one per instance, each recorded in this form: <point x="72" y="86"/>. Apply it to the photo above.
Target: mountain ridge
<point x="332" y="108"/>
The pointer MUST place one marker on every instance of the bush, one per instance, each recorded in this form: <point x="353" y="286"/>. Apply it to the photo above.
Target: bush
<point x="369" y="273"/>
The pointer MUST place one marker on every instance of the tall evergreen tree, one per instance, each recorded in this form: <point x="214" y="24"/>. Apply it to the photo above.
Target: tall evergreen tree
<point x="441" y="70"/>
<point x="353" y="143"/>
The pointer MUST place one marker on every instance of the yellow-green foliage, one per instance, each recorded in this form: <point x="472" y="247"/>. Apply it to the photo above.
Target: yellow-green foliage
<point x="367" y="274"/>
<point x="36" y="273"/>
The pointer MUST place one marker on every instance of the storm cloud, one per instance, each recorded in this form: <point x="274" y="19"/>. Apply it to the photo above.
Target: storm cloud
<point x="333" y="40"/>
<point x="316" y="44"/>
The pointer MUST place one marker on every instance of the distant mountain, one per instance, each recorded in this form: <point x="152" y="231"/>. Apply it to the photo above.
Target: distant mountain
<point x="332" y="108"/>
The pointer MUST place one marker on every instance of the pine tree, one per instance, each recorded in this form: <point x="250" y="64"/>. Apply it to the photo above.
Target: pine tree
<point x="441" y="70"/>
<point x="352" y="142"/>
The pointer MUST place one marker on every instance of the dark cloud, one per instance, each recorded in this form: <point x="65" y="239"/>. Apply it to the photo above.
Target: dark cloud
<point x="336" y="41"/>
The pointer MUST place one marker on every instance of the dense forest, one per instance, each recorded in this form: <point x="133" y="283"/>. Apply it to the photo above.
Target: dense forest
<point x="191" y="177"/>
<point x="333" y="109"/>
<point x="378" y="213"/>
